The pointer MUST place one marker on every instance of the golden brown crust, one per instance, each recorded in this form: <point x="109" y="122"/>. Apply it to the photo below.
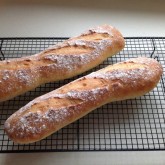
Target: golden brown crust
<point x="58" y="62"/>
<point x="48" y="113"/>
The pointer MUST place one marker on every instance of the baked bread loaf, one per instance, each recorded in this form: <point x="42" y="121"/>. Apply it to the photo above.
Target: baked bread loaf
<point x="50" y="112"/>
<point x="65" y="60"/>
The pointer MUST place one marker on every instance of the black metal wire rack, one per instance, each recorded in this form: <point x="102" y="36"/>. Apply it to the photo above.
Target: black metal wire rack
<point x="136" y="124"/>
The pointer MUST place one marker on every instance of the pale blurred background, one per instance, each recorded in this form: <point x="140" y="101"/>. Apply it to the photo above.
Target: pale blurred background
<point x="66" y="18"/>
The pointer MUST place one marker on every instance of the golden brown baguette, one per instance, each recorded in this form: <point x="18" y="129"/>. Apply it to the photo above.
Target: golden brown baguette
<point x="50" y="112"/>
<point x="59" y="62"/>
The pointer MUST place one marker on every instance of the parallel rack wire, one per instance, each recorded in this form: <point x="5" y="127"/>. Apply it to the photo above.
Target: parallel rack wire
<point x="136" y="124"/>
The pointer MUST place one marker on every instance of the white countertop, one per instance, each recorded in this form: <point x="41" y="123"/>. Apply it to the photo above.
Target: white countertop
<point x="52" y="18"/>
<point x="84" y="158"/>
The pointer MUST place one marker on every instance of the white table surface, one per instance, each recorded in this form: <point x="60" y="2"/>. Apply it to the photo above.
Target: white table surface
<point x="62" y="18"/>
<point x="65" y="18"/>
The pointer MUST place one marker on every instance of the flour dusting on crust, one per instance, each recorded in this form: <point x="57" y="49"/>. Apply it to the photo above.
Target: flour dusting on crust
<point x="74" y="61"/>
<point x="32" y="122"/>
<point x="29" y="122"/>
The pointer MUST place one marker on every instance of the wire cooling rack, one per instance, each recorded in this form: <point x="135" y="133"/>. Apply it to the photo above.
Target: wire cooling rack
<point x="136" y="124"/>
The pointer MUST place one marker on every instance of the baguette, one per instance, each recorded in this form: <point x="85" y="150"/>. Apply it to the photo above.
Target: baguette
<point x="52" y="111"/>
<point x="65" y="60"/>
